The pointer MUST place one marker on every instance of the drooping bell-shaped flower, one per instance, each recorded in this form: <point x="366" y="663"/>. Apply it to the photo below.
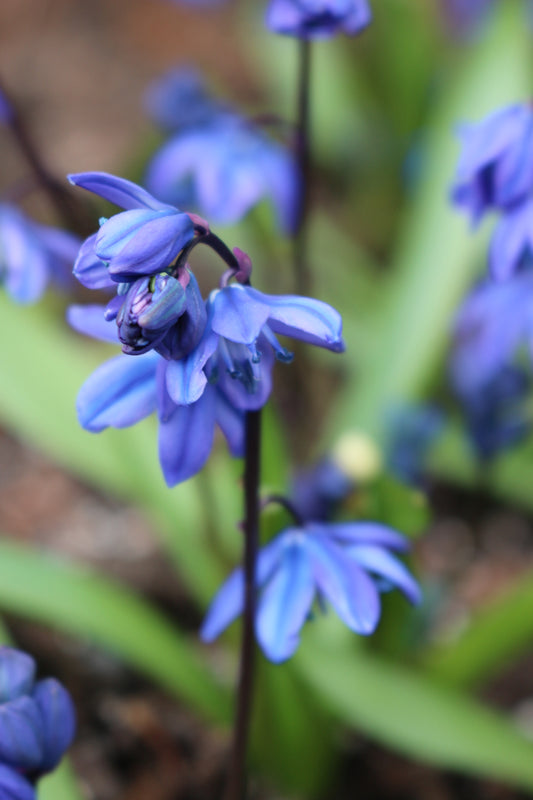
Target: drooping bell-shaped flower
<point x="223" y="169"/>
<point x="179" y="100"/>
<point x="142" y="240"/>
<point x="37" y="721"/>
<point x="318" y="19"/>
<point x="337" y="563"/>
<point x="495" y="169"/>
<point x="31" y="255"/>
<point x="240" y="334"/>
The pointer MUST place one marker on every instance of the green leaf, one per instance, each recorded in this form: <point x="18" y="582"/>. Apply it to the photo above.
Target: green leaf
<point x="403" y="709"/>
<point x="436" y="256"/>
<point x="76" y="600"/>
<point x="60" y="785"/>
<point x="494" y="638"/>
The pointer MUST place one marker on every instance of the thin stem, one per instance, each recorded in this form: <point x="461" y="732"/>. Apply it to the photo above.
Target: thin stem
<point x="236" y="786"/>
<point x="215" y="243"/>
<point x="67" y="207"/>
<point x="303" y="156"/>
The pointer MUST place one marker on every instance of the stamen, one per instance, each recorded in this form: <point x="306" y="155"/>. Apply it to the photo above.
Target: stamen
<point x="282" y="354"/>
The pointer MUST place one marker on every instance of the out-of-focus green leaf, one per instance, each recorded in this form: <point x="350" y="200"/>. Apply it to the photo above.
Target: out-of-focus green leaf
<point x="42" y="371"/>
<point x="290" y="729"/>
<point x="492" y="639"/>
<point x="80" y="602"/>
<point x="403" y="709"/>
<point x="393" y="503"/>
<point x="436" y="255"/>
<point x="60" y="785"/>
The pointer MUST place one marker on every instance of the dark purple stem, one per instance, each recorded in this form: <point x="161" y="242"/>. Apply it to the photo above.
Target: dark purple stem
<point x="236" y="786"/>
<point x="65" y="204"/>
<point x="303" y="155"/>
<point x="215" y="243"/>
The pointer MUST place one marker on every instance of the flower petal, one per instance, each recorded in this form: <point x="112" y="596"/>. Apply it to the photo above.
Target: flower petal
<point x="90" y="270"/>
<point x="13" y="786"/>
<point x="119" y="393"/>
<point x="512" y="241"/>
<point x="228" y="602"/>
<point x="90" y="321"/>
<point x="119" y="191"/>
<point x="372" y="533"/>
<point x="21" y="734"/>
<point x="58" y="721"/>
<point x="231" y="421"/>
<point x="23" y="260"/>
<point x="285" y="604"/>
<point x="186" y="438"/>
<point x="380" y="562"/>
<point x="238" y="313"/>
<point x="17" y="673"/>
<point x="186" y="379"/>
<point x="348" y="588"/>
<point x="304" y="318"/>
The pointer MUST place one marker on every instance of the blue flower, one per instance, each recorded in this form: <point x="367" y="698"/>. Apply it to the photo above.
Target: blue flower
<point x="495" y="168"/>
<point x="223" y="169"/>
<point x="239" y="341"/>
<point x="14" y="786"/>
<point x="6" y="110"/>
<point x="32" y="254"/>
<point x="494" y="320"/>
<point x="493" y="323"/>
<point x="142" y="240"/>
<point x="464" y="16"/>
<point x="318" y="19"/>
<point x="125" y="390"/>
<point x="37" y="722"/>
<point x="179" y="100"/>
<point x="316" y="492"/>
<point x="336" y="562"/>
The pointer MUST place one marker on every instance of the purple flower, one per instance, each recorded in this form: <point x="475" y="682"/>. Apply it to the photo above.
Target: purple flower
<point x="412" y="431"/>
<point x="142" y="240"/>
<point x="495" y="168"/>
<point x="179" y="100"/>
<point x="37" y="722"/>
<point x="14" y="786"/>
<point x="338" y="563"/>
<point x="32" y="254"/>
<point x="464" y="16"/>
<point x="225" y="168"/>
<point x="6" y="110"/>
<point x="125" y="390"/>
<point x="511" y="246"/>
<point x="318" y="19"/>
<point x="240" y="337"/>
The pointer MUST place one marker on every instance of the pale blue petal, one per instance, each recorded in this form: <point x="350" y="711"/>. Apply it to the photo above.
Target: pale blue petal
<point x="348" y="588"/>
<point x="373" y="533"/>
<point x="285" y="604"/>
<point x="228" y="602"/>
<point x="90" y="321"/>
<point x="238" y="313"/>
<point x="119" y="191"/>
<point x="186" y="379"/>
<point x="247" y="397"/>
<point x="304" y="318"/>
<point x="91" y="271"/>
<point x="378" y="561"/>
<point x="186" y="438"/>
<point x="119" y="393"/>
<point x="512" y="241"/>
<point x="23" y="260"/>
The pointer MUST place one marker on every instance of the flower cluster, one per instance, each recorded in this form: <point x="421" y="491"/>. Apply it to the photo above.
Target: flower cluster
<point x="32" y="254"/>
<point x="495" y="173"/>
<point x="37" y="724"/>
<point x="318" y="19"/>
<point x="346" y="564"/>
<point x="198" y="364"/>
<point x="215" y="160"/>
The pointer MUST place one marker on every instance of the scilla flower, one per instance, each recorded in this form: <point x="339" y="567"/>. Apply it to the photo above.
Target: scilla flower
<point x="305" y="566"/>
<point x="223" y="169"/>
<point x="495" y="168"/>
<point x="37" y="723"/>
<point x="318" y="19"/>
<point x="180" y="100"/>
<point x="142" y="240"/>
<point x="32" y="254"/>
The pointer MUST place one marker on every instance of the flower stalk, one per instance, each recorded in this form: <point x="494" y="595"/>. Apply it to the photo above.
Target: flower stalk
<point x="236" y="786"/>
<point x="303" y="157"/>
